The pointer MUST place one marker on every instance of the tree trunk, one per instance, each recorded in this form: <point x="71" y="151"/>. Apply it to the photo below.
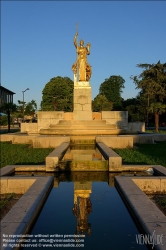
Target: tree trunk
<point x="157" y="122"/>
<point x="8" y="118"/>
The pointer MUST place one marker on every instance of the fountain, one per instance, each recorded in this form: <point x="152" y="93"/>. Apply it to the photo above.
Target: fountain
<point x="80" y="203"/>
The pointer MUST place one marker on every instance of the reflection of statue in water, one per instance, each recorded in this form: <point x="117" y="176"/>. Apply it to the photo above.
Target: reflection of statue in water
<point x="81" y="66"/>
<point x="81" y="210"/>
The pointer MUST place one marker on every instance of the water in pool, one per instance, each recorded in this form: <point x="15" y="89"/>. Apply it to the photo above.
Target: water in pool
<point x="92" y="210"/>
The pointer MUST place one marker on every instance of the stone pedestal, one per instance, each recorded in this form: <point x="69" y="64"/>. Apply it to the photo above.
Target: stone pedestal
<point x="82" y="101"/>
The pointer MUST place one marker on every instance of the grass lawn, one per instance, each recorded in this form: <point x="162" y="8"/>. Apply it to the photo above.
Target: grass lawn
<point x="153" y="154"/>
<point x="153" y="131"/>
<point x="15" y="154"/>
<point x="5" y="200"/>
<point x="12" y="130"/>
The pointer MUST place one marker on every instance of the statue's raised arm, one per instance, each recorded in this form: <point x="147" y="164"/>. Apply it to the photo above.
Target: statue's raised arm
<point x="75" y="39"/>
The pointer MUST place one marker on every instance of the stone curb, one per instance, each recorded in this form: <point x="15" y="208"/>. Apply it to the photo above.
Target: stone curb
<point x="115" y="161"/>
<point x="159" y="170"/>
<point x="53" y="158"/>
<point x="10" y="169"/>
<point x="146" y="214"/>
<point x="21" y="217"/>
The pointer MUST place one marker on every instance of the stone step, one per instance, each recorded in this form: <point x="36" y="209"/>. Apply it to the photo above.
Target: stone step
<point x="80" y="127"/>
<point x="84" y="166"/>
<point x="82" y="141"/>
<point x="82" y="121"/>
<point x="79" y="123"/>
<point x="81" y="131"/>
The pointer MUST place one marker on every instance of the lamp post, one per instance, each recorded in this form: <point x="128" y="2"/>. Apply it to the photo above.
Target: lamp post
<point x="23" y="102"/>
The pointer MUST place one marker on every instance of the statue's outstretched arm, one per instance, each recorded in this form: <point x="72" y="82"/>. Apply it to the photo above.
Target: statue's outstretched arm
<point x="88" y="48"/>
<point x="75" y="39"/>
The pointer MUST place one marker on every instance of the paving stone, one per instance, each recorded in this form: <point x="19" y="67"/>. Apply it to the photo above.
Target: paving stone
<point x="24" y="209"/>
<point x="22" y="214"/>
<point x="151" y="184"/>
<point x="4" y="185"/>
<point x="163" y="184"/>
<point x="11" y="228"/>
<point x="41" y="185"/>
<point x="160" y="170"/>
<point x="7" y="170"/>
<point x="145" y="212"/>
<point x="127" y="186"/>
<point x="157" y="229"/>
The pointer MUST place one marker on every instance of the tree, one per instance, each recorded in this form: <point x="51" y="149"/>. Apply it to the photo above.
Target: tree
<point x="136" y="108"/>
<point x="20" y="107"/>
<point x="128" y="102"/>
<point x="30" y="108"/>
<point x="112" y="89"/>
<point x="157" y="109"/>
<point x="100" y="103"/>
<point x="152" y="82"/>
<point x="58" y="94"/>
<point x="8" y="108"/>
<point x="130" y="105"/>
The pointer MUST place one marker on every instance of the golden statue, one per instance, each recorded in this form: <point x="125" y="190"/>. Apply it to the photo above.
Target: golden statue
<point x="81" y="210"/>
<point x="82" y="206"/>
<point x="81" y="66"/>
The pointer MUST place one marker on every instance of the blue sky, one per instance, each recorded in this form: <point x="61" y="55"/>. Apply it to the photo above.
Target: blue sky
<point x="37" y="41"/>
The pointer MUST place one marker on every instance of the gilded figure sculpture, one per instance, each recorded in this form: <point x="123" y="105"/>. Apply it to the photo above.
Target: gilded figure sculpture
<point x="81" y="67"/>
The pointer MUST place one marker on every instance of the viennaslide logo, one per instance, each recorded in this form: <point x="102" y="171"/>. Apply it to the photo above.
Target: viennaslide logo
<point x="148" y="239"/>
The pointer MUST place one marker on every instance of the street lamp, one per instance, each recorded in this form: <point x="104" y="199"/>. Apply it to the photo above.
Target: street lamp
<point x="23" y="102"/>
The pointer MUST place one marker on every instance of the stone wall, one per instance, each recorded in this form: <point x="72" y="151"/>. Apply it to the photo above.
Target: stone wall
<point x="116" y="141"/>
<point x="48" y="118"/>
<point x="45" y="118"/>
<point x="28" y="127"/>
<point x="119" y="118"/>
<point x="96" y="115"/>
<point x="68" y="116"/>
<point x="136" y="127"/>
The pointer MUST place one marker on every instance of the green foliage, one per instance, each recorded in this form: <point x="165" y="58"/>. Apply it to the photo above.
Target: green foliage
<point x="137" y="108"/>
<point x="58" y="95"/>
<point x="133" y="113"/>
<point x="153" y="154"/>
<point x="17" y="114"/>
<point x="30" y="108"/>
<point x="4" y="201"/>
<point x="112" y="89"/>
<point x="22" y="154"/>
<point x="130" y="105"/>
<point x="157" y="107"/>
<point x="20" y="107"/>
<point x="3" y="120"/>
<point x="8" y="108"/>
<point x="152" y="131"/>
<point x="5" y="131"/>
<point x="128" y="102"/>
<point x="100" y="103"/>
<point x="152" y="82"/>
<point x="162" y="202"/>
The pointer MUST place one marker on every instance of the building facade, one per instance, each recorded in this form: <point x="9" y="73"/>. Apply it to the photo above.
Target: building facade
<point x="6" y="95"/>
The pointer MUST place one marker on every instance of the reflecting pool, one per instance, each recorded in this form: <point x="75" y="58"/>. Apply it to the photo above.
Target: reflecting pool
<point x="86" y="214"/>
